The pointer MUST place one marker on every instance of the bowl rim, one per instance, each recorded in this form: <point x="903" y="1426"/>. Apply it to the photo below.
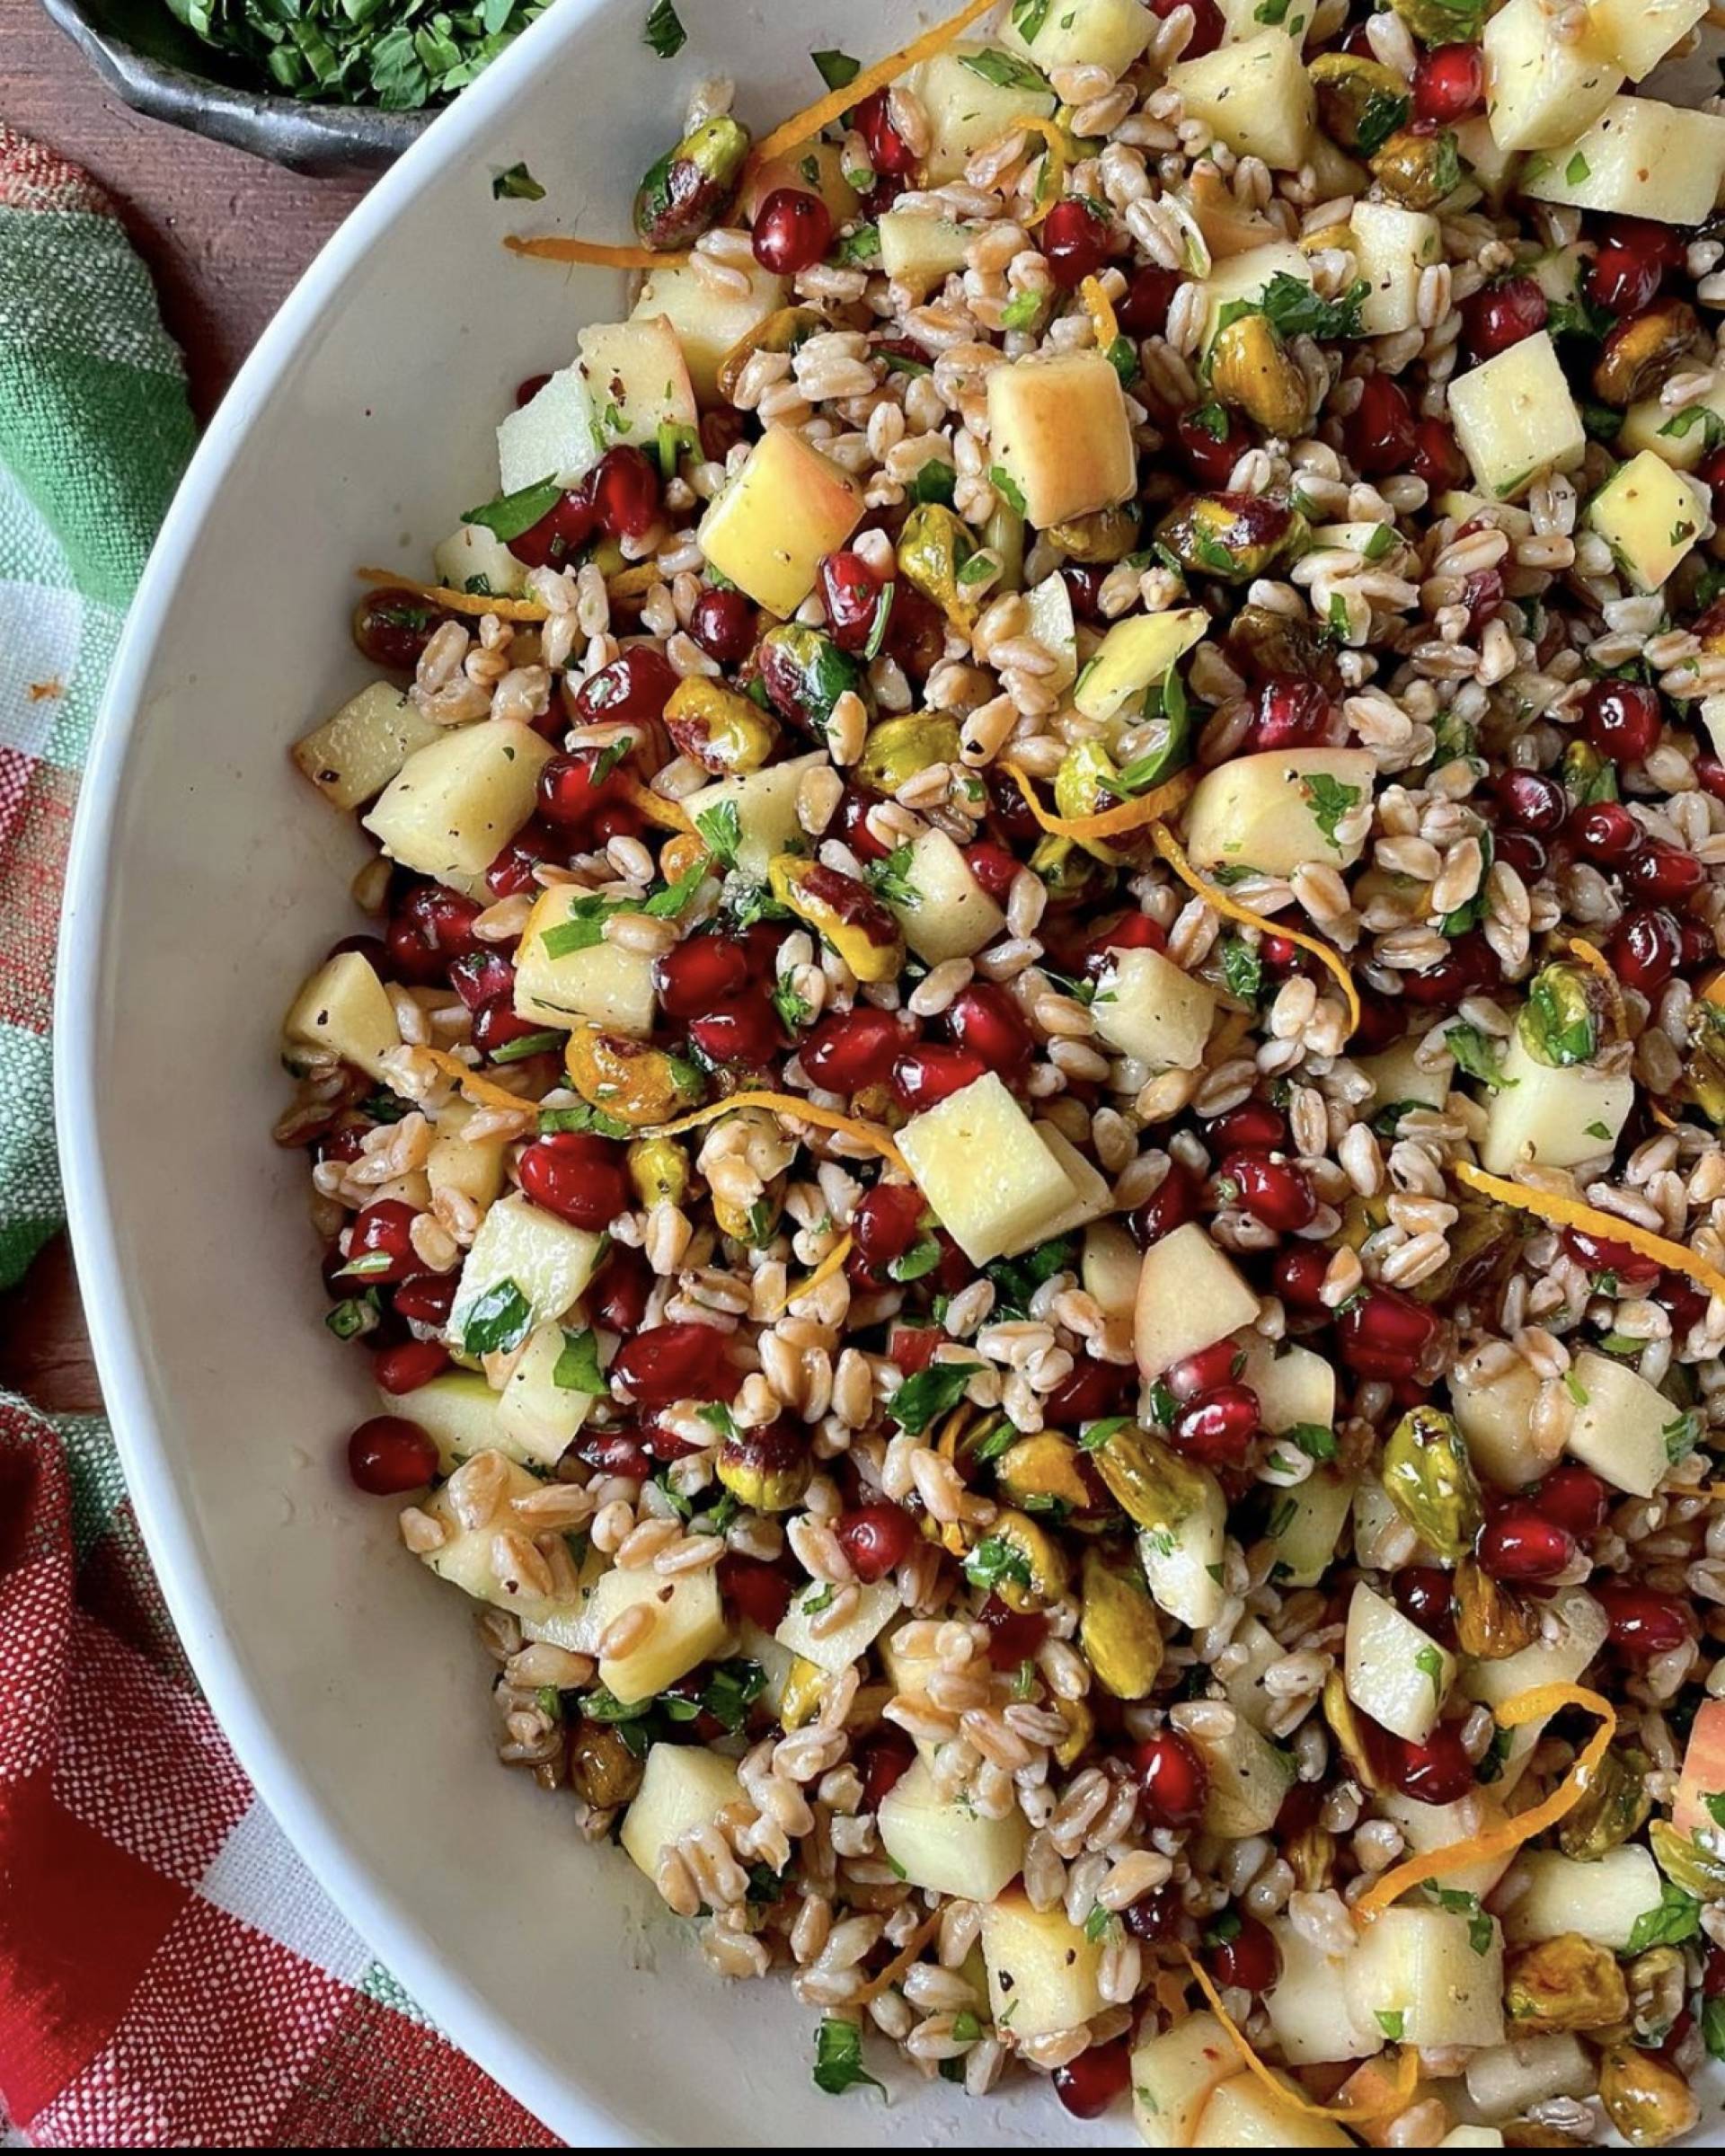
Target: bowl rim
<point x="387" y="1924"/>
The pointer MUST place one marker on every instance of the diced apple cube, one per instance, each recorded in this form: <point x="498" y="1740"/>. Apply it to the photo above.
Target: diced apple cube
<point x="1043" y="1971"/>
<point x="813" y="166"/>
<point x="549" y="1261"/>
<point x="1539" y="91"/>
<point x="1256" y="96"/>
<point x="1308" y="2006"/>
<point x="1495" y="1416"/>
<point x="1249" y="1780"/>
<point x="1244" y="1682"/>
<point x="1622" y="1425"/>
<point x="474" y="559"/>
<point x="967" y="111"/>
<point x="1429" y="1826"/>
<point x="1701" y="1783"/>
<point x="1419" y="1968"/>
<point x="1637" y="34"/>
<point x="684" y="1788"/>
<point x="553" y="436"/>
<point x="1190" y="1294"/>
<point x="1134" y="656"/>
<point x="1110" y="1266"/>
<point x="1487" y="163"/>
<point x="346" y="1009"/>
<point x="980" y="1162"/>
<point x="1058" y="428"/>
<point x="1550" y="1894"/>
<point x="708" y="324"/>
<point x="1574" y="1629"/>
<point x="1247" y="277"/>
<point x="1515" y="418"/>
<point x="944" y="1844"/>
<point x="560" y="980"/>
<point x="1392" y="249"/>
<point x="539" y="1419"/>
<point x="1552" y="1115"/>
<point x="918" y="250"/>
<point x="1649" y="516"/>
<point x="1247" y="18"/>
<point x="1394" y="1672"/>
<point x="636" y="379"/>
<point x="1091" y="1194"/>
<point x="765" y="802"/>
<point x="457" y="1410"/>
<point x="359" y="749"/>
<point x="953" y="917"/>
<point x="1281" y="808"/>
<point x="1053" y="626"/>
<point x="688" y="1627"/>
<point x="1173" y="2075"/>
<point x="1182" y="1563"/>
<point x="1409" y="1072"/>
<point x="1681" y="438"/>
<point x="767" y="531"/>
<point x="836" y="1651"/>
<point x="1638" y="159"/>
<point x="1508" y="2080"/>
<point x="1096" y="33"/>
<point x="1306" y="1525"/>
<point x="464" y="1558"/>
<point x="468" y="1168"/>
<point x="1151" y="1009"/>
<point x="1294" y="1386"/>
<point x="1243" y="2114"/>
<point x="457" y="802"/>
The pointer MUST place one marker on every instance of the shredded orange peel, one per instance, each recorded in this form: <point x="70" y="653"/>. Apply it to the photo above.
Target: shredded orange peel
<point x="1536" y="1705"/>
<point x="1171" y="851"/>
<point x="459" y="602"/>
<point x="1052" y="178"/>
<point x="793" y="1105"/>
<point x="833" y="1262"/>
<point x="1407" y="2070"/>
<point x="474" y="1086"/>
<point x="1104" y="322"/>
<point x="901" y="1960"/>
<point x="598" y="254"/>
<point x="1572" y="1212"/>
<point x="1108" y="823"/>
<point x="812" y="119"/>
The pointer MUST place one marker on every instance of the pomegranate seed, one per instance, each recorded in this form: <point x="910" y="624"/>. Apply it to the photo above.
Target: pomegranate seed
<point x="1437" y="1772"/>
<point x="1665" y="874"/>
<point x="1249" y="1960"/>
<point x="793" y="231"/>
<point x="916" y="632"/>
<point x="1211" y="460"/>
<point x="1204" y="1371"/>
<point x="1450" y="83"/>
<point x="1525" y="854"/>
<point x="1574" y="1498"/>
<point x="1646" y="948"/>
<point x="561" y="534"/>
<point x="632" y="691"/>
<point x="1156" y="1915"/>
<point x="745" y="1030"/>
<point x="1605" y="832"/>
<point x="723" y="625"/>
<point x="382" y="1231"/>
<point x="616" y="1453"/>
<point x="877" y="1538"/>
<point x="1520" y="1543"/>
<point x="697" y="975"/>
<point x="1625" y="275"/>
<point x="430" y="927"/>
<point x="931" y="1072"/>
<point x="1498" y="315"/>
<point x="388" y="1455"/>
<point x="1700" y="947"/>
<point x="1300" y="1275"/>
<point x="853" y="827"/>
<point x="1084" y="582"/>
<point x="1132" y="932"/>
<point x="407" y="1365"/>
<point x="1142" y="310"/>
<point x="1711" y="472"/>
<point x="1014" y="1634"/>
<point x="667" y="1445"/>
<point x="480" y="977"/>
<point x="1685" y="1303"/>
<point x="618" y="1295"/>
<point x="1379" y="435"/>
<point x="669" y="1363"/>
<point x="1074" y="239"/>
<point x="1216" y="1430"/>
<point x="1174" y="1201"/>
<point x="528" y="388"/>
<point x="496" y="1025"/>
<point x="392" y="628"/>
<point x="1092" y="1389"/>
<point x="1712" y="1974"/>
<point x="1437" y="458"/>
<point x="760" y="1593"/>
<point x="1385" y="1334"/>
<point x="851" y="593"/>
<point x="573" y="788"/>
<point x="1275" y="1192"/>
<point x="855" y="1050"/>
<point x="1254" y="1126"/>
<point x="577" y="1176"/>
<point x="1288" y="714"/>
<point x="1097" y="2077"/>
<point x="625" y="489"/>
<point x="1208" y="27"/>
<point x="911" y="1348"/>
<point x="888" y="152"/>
<point x="985" y="1020"/>
<point x="1173" y="1780"/>
<point x="1644" y="1623"/>
<point x="512" y="873"/>
<point x="425" y="1298"/>
<point x="883" y="1762"/>
<point x="1623" y="719"/>
<point x="888" y="1222"/>
<point x="1710" y="772"/>
<point x="1425" y="1595"/>
<point x="994" y="867"/>
<point x="1532" y="801"/>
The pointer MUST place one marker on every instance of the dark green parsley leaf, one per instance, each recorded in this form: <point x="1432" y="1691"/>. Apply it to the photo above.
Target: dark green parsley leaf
<point x="921" y="1258"/>
<point x="1001" y="1439"/>
<point x="1391" y="2020"/>
<point x="839" y="2059"/>
<point x="666" y="904"/>
<point x="1491" y="1767"/>
<point x="665" y="32"/>
<point x="1021" y="310"/>
<point x="1577" y="169"/>
<point x="1384" y="112"/>
<point x="936" y="481"/>
<point x="1430" y="1663"/>
<point x="1006" y="71"/>
<point x="795" y="1010"/>
<point x="995" y="1559"/>
<point x="1122" y="356"/>
<point x="1329" y="801"/>
<point x="1241" y="968"/>
<point x="859" y="249"/>
<point x="1477" y="1055"/>
<point x="517" y="185"/>
<point x="890" y="880"/>
<point x="1094" y="1435"/>
<point x="1007" y="487"/>
<point x="1297" y="309"/>
<point x="577" y="1368"/>
<point x="1315" y="1439"/>
<point x="1029" y="16"/>
<point x="499" y="1319"/>
<point x="929" y="1394"/>
<point x="510" y="515"/>
<point x="1693" y="416"/>
<point x="526" y="1045"/>
<point x="721" y="830"/>
<point x="356" y="1316"/>
<point x="838" y="69"/>
<point x="1097" y="1924"/>
<point x="583" y="1115"/>
<point x="1676" y="1919"/>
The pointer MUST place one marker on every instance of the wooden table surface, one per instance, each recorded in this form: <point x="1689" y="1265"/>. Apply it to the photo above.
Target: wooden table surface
<point x="226" y="236"/>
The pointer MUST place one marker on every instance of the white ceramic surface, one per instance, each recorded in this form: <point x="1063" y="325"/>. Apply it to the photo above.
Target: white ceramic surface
<point x="206" y="878"/>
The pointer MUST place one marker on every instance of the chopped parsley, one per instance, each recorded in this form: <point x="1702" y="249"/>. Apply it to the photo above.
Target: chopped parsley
<point x="859" y="249"/>
<point x="934" y="481"/>
<point x="1691" y="416"/>
<point x="1021" y="310"/>
<point x="795" y="1010"/>
<point x="921" y="1258"/>
<point x="839" y="2059"/>
<point x="1006" y="71"/>
<point x="1007" y="488"/>
<point x="995" y="1559"/>
<point x="1295" y="309"/>
<point x="837" y="69"/>
<point x="1316" y="1440"/>
<point x="665" y="32"/>
<point x="930" y="1393"/>
<point x="1391" y="2020"/>
<point x="1430" y="1663"/>
<point x="1577" y="169"/>
<point x="583" y="1115"/>
<point x="510" y="515"/>
<point x="890" y="880"/>
<point x="1329" y="801"/>
<point x="577" y="1368"/>
<point x="1676" y="1920"/>
<point x="1478" y="1056"/>
<point x="517" y="184"/>
<point x="721" y="831"/>
<point x="1241" y="968"/>
<point x="1030" y="17"/>
<point x="499" y="1320"/>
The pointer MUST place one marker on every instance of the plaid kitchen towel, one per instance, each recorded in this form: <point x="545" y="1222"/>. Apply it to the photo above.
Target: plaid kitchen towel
<point x="170" y="1974"/>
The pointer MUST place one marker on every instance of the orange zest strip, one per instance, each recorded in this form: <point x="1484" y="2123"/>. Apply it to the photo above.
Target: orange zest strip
<point x="901" y="1960"/>
<point x="599" y="254"/>
<point x="1407" y="2068"/>
<point x="1597" y="962"/>
<point x="634" y="583"/>
<point x="1103" y="320"/>
<point x="480" y="1090"/>
<point x="1171" y="851"/>
<point x="804" y="1111"/>
<point x="1534" y="1705"/>
<point x="458" y="602"/>
<point x="670" y="815"/>
<point x="821" y="114"/>
<point x="1108" y="823"/>
<point x="1571" y="1213"/>
<point x="833" y="1262"/>
<point x="1052" y="179"/>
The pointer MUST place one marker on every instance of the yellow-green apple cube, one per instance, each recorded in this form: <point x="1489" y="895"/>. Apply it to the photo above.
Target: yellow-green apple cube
<point x="359" y="749"/>
<point x="1487" y="163"/>
<point x="539" y="1416"/>
<point x="1420" y="1967"/>
<point x="637" y="380"/>
<point x="788" y="507"/>
<point x="1640" y="158"/>
<point x="836" y="1648"/>
<point x="461" y="1166"/>
<point x="1574" y="1629"/>
<point x="1601" y="1898"/>
<point x="979" y="1161"/>
<point x="1255" y="96"/>
<point x="1552" y="1115"/>
<point x="1053" y="626"/>
<point x="466" y="1556"/>
<point x="1294" y="1386"/>
<point x="708" y="324"/>
<point x="1094" y="33"/>
<point x="684" y="1788"/>
<point x="1494" y="1414"/>
<point x="546" y="1260"/>
<point x="456" y="803"/>
<point x="1637" y="34"/>
<point x="766" y="807"/>
<point x="1059" y="430"/>
<point x="1151" y="1009"/>
<point x="943" y="1845"/>
<point x="1623" y="1428"/>
<point x="1683" y="436"/>
<point x="1308" y="2008"/>
<point x="1507" y="2081"/>
<point x="345" y="1008"/>
<point x="1090" y="1194"/>
<point x="918" y="250"/>
<point x="564" y="980"/>
<point x="1418" y="1071"/>
<point x="1190" y="1294"/>
<point x="553" y="436"/>
<point x="474" y="559"/>
<point x="1173" y="2075"/>
<point x="1515" y="418"/>
<point x="687" y="1627"/>
<point x="1134" y="656"/>
<point x="1393" y="248"/>
<point x="1110" y="1267"/>
<point x="1539" y="92"/>
<point x="457" y="1410"/>
<point x="953" y="916"/>
<point x="813" y="166"/>
<point x="1279" y="809"/>
<point x="968" y="108"/>
<point x="1243" y="2114"/>
<point x="1649" y="516"/>
<point x="1429" y="1826"/>
<point x="1394" y="1671"/>
<point x="1044" y="1973"/>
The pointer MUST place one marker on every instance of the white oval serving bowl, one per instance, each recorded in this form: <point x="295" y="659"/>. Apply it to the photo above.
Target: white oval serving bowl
<point x="206" y="878"/>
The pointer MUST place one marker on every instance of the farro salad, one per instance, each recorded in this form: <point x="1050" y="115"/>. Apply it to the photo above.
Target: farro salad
<point x="1029" y="1145"/>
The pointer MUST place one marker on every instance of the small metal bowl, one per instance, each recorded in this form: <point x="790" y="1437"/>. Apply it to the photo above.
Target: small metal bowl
<point x="152" y="62"/>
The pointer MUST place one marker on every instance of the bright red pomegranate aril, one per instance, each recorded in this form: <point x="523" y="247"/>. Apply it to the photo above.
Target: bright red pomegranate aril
<point x="1173" y="1780"/>
<point x="1532" y="801"/>
<point x="380" y="1244"/>
<point x="1288" y="714"/>
<point x="632" y="691"/>
<point x="574" y="787"/>
<point x="792" y="230"/>
<point x="888" y="1222"/>
<point x="1174" y="1201"/>
<point x="1623" y="719"/>
<point x="617" y="1452"/>
<point x="1254" y="1126"/>
<point x="1073" y="239"/>
<point x="697" y="975"/>
<point x="480" y="977"/>
<point x="745" y="1030"/>
<point x="888" y="152"/>
<point x="1644" y="1623"/>
<point x="723" y="625"/>
<point x="1384" y="1333"/>
<point x="1015" y="1636"/>
<point x="1665" y="875"/>
<point x="430" y="927"/>
<point x="496" y="1025"/>
<point x="1700" y="947"/>
<point x="1216" y="1430"/>
<point x="1155" y="1916"/>
<point x="1437" y="1772"/>
<point x="1450" y="83"/>
<point x="1499" y="315"/>
<point x="580" y="1178"/>
<point x="425" y="1298"/>
<point x="932" y="1072"/>
<point x="1425" y="1595"/>
<point x="617" y="1298"/>
<point x="1204" y="1371"/>
<point x="393" y="626"/>
<point x="404" y="1365"/>
<point x="1250" y="1961"/>
<point x="1604" y="832"/>
<point x="883" y="1761"/>
<point x="986" y="1018"/>
<point x="851" y="593"/>
<point x="1606" y="1254"/>
<point x="854" y="826"/>
<point x="625" y="489"/>
<point x="1378" y="435"/>
<point x="1131" y="931"/>
<point x="877" y="1538"/>
<point x="760" y="1593"/>
<point x="911" y="1348"/>
<point x="1208" y="26"/>
<point x="1574" y="1498"/>
<point x="1300" y="1273"/>
<point x="1088" y="2085"/>
<point x="1520" y="1543"/>
<point x="1142" y="309"/>
<point x="993" y="867"/>
<point x="559" y="534"/>
<point x="1646" y="948"/>
<point x="512" y="872"/>
<point x="855" y="1050"/>
<point x="669" y="1362"/>
<point x="615" y="819"/>
<point x="1634" y="255"/>
<point x="1437" y="458"/>
<point x="1275" y="1192"/>
<point x="389" y="1455"/>
<point x="1211" y="460"/>
<point x="1525" y="854"/>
